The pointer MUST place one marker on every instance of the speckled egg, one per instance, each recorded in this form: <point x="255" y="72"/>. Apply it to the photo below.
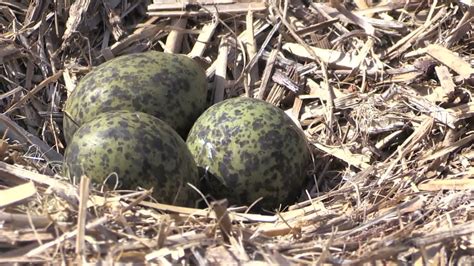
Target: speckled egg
<point x="249" y="149"/>
<point x="169" y="86"/>
<point x="141" y="149"/>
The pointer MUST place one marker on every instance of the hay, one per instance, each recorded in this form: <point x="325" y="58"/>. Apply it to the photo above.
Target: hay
<point x="383" y="93"/>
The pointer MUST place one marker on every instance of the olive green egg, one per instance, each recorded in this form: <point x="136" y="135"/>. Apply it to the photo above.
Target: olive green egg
<point x="247" y="149"/>
<point x="140" y="149"/>
<point x="171" y="87"/>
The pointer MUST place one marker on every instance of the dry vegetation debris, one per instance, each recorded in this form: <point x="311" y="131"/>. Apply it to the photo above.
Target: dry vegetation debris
<point x="382" y="89"/>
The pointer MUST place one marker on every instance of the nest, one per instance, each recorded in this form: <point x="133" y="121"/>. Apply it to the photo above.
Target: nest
<point x="383" y="92"/>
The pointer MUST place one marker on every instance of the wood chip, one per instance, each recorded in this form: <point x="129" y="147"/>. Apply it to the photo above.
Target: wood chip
<point x="17" y="194"/>
<point x="221" y="71"/>
<point x="446" y="184"/>
<point x="332" y="57"/>
<point x="451" y="60"/>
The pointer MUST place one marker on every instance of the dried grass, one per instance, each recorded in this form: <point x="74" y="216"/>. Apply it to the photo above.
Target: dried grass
<point x="383" y="93"/>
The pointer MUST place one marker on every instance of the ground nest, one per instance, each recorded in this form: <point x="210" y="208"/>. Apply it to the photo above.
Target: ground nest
<point x="382" y="90"/>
